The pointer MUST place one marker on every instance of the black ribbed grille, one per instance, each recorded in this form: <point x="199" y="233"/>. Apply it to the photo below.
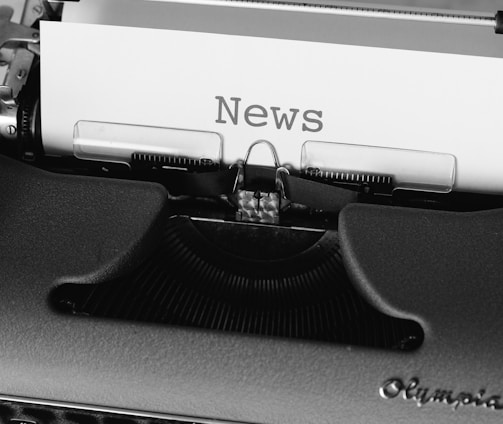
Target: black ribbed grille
<point x="32" y="413"/>
<point x="250" y="279"/>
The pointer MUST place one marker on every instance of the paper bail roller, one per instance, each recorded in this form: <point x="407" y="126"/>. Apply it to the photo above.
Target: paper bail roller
<point x="398" y="168"/>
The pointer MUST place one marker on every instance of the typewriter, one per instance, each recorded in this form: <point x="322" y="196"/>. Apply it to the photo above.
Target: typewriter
<point x="229" y="211"/>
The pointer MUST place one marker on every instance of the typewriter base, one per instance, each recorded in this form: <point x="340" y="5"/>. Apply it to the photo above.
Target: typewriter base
<point x="440" y="269"/>
<point x="251" y="279"/>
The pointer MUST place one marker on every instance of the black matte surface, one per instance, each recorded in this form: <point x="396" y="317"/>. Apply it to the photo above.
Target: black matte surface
<point x="51" y="222"/>
<point x="36" y="412"/>
<point x="250" y="279"/>
<point x="442" y="269"/>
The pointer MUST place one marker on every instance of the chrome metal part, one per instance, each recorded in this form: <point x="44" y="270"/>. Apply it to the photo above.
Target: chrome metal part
<point x="33" y="10"/>
<point x="115" y="142"/>
<point x="256" y="205"/>
<point x="8" y="114"/>
<point x="171" y="162"/>
<point x="360" y="12"/>
<point x="19" y="44"/>
<point x="112" y="410"/>
<point x="360" y="164"/>
<point x="13" y="35"/>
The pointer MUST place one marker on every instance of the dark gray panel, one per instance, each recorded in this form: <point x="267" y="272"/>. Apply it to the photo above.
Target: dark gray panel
<point x="217" y="375"/>
<point x="51" y="222"/>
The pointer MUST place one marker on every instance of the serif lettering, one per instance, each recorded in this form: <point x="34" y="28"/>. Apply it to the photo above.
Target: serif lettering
<point x="231" y="111"/>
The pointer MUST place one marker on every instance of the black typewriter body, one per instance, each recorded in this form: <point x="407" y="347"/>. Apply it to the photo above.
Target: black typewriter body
<point x="172" y="290"/>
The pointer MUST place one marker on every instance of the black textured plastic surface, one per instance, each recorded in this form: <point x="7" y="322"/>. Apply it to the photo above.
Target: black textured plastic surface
<point x="83" y="223"/>
<point x="499" y="22"/>
<point x="250" y="279"/>
<point x="442" y="269"/>
<point x="15" y="412"/>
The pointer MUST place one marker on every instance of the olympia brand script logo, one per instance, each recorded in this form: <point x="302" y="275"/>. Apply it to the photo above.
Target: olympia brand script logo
<point x="412" y="390"/>
<point x="255" y="115"/>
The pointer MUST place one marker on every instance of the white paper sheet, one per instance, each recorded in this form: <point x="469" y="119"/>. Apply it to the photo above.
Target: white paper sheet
<point x="371" y="96"/>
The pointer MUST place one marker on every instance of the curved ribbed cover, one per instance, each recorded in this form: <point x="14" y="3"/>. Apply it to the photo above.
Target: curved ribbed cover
<point x="250" y="279"/>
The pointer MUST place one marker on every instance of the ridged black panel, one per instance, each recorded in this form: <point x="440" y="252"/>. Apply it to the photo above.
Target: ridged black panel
<point x="216" y="276"/>
<point x="28" y="413"/>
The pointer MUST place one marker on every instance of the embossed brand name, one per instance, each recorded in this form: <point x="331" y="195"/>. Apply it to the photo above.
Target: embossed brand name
<point x="259" y="116"/>
<point x="395" y="387"/>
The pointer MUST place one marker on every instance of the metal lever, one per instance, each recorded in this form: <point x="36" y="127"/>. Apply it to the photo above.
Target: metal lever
<point x="259" y="206"/>
<point x="14" y="35"/>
